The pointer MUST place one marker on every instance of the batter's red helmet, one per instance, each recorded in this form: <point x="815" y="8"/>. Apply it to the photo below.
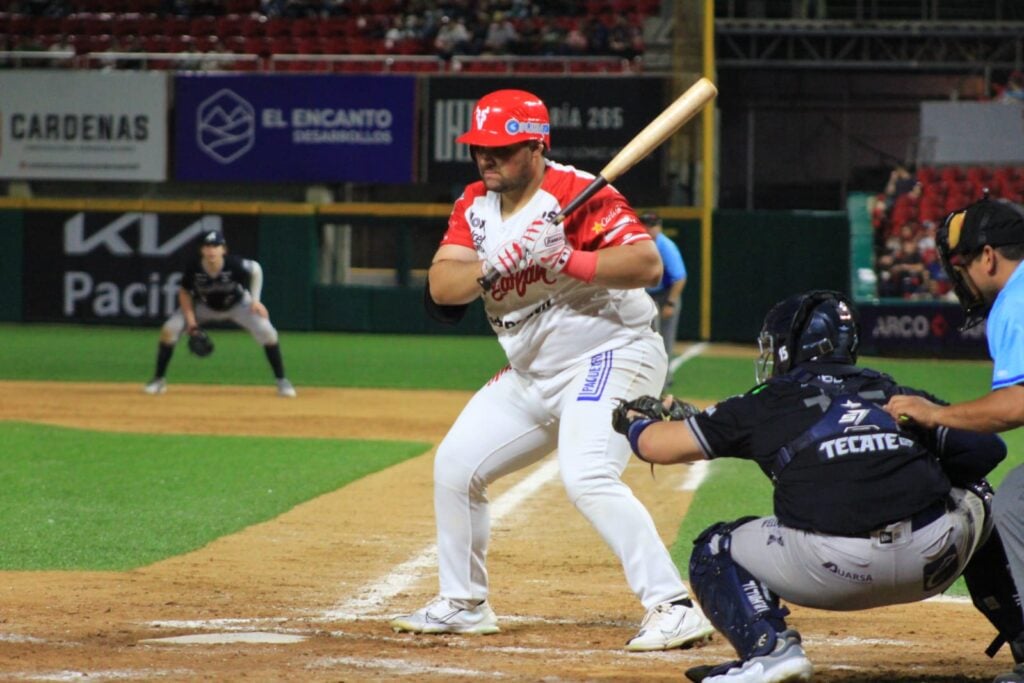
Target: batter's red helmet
<point x="506" y="117"/>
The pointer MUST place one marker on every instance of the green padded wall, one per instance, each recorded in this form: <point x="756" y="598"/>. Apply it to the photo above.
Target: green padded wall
<point x="763" y="257"/>
<point x="288" y="253"/>
<point x="10" y="265"/>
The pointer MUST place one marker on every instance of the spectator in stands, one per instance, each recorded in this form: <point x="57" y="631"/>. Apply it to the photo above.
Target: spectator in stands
<point x="502" y="37"/>
<point x="597" y="36"/>
<point x="901" y="181"/>
<point x="576" y="40"/>
<point x="552" y="38"/>
<point x="452" y="37"/>
<point x="623" y="39"/>
<point x="1014" y="89"/>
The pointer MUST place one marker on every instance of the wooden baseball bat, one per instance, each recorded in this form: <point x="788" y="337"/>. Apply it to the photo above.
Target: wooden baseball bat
<point x="685" y="107"/>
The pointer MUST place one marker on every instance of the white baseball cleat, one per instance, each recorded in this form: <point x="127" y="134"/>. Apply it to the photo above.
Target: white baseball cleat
<point x="157" y="385"/>
<point x="449" y="616"/>
<point x="669" y="626"/>
<point x="787" y="663"/>
<point x="285" y="388"/>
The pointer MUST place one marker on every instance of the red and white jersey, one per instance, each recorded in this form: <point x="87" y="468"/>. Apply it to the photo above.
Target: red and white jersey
<point x="547" y="321"/>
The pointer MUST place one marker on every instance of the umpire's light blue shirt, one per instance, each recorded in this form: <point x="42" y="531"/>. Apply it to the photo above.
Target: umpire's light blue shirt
<point x="1005" y="330"/>
<point x="672" y="262"/>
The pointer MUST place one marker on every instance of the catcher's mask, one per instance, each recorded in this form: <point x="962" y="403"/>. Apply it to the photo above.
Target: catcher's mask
<point x="817" y="325"/>
<point x="963" y="236"/>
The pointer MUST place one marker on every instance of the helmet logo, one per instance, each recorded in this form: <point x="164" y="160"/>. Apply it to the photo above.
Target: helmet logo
<point x="481" y="116"/>
<point x="512" y="126"/>
<point x="844" y="311"/>
<point x="783" y="354"/>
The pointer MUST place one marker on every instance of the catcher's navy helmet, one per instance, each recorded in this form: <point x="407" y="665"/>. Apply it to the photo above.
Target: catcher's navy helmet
<point x="817" y="325"/>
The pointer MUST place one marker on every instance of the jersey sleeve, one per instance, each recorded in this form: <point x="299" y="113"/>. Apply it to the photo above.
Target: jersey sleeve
<point x="1006" y="345"/>
<point x="606" y="220"/>
<point x="723" y="429"/>
<point x="188" y="280"/>
<point x="672" y="260"/>
<point x="458" y="231"/>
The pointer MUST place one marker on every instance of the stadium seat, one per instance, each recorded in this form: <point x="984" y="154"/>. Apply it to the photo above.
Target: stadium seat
<point x="253" y="27"/>
<point x="277" y="28"/>
<point x="202" y="26"/>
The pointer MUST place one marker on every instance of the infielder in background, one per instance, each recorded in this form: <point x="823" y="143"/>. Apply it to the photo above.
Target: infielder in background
<point x="572" y="317"/>
<point x="866" y="513"/>
<point x="982" y="247"/>
<point x="668" y="293"/>
<point x="220" y="286"/>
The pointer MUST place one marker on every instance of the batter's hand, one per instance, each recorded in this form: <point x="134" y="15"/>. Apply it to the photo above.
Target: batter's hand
<point x="259" y="309"/>
<point x="545" y="241"/>
<point x="509" y="258"/>
<point x="905" y="408"/>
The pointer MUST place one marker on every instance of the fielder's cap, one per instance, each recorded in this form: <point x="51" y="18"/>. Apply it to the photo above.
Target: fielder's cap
<point x="991" y="221"/>
<point x="649" y="218"/>
<point x="214" y="237"/>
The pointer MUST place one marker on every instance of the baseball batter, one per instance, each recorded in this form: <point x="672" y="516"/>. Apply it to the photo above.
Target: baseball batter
<point x="220" y="286"/>
<point x="867" y="513"/>
<point x="575" y="323"/>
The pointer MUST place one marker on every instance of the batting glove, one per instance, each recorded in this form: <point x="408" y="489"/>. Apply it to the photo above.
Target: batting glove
<point x="545" y="242"/>
<point x="509" y="259"/>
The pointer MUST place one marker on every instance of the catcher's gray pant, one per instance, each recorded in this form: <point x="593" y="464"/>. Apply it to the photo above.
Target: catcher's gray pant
<point x="893" y="565"/>
<point x="514" y="421"/>
<point x="1008" y="511"/>
<point x="241" y="314"/>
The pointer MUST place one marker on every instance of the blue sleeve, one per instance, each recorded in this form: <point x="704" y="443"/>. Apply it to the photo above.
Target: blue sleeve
<point x="1005" y="333"/>
<point x="967" y="457"/>
<point x="672" y="260"/>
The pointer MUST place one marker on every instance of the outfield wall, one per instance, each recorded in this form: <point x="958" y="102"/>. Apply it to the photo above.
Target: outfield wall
<point x="119" y="262"/>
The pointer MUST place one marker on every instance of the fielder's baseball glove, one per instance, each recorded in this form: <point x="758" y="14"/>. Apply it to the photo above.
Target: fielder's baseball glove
<point x="200" y="343"/>
<point x="649" y="408"/>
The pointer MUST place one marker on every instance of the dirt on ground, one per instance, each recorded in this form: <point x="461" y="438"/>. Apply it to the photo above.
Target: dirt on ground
<point x="328" y="574"/>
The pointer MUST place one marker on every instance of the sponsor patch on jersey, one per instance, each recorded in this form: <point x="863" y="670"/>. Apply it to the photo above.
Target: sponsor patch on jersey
<point x="597" y="377"/>
<point x="855" y="577"/>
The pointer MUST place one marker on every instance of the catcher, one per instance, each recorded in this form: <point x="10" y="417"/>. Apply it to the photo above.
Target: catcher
<point x="219" y="286"/>
<point x="868" y="512"/>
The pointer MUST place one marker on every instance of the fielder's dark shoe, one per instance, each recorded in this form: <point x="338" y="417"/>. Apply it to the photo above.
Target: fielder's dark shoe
<point x="787" y="663"/>
<point x="1015" y="676"/>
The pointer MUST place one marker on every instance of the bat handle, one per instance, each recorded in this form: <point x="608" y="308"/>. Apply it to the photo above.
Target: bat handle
<point x="487" y="281"/>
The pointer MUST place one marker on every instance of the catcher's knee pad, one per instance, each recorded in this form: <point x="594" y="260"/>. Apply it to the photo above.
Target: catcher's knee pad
<point x="994" y="593"/>
<point x="739" y="606"/>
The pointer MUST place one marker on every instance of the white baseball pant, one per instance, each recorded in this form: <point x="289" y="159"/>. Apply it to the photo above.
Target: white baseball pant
<point x="514" y="421"/>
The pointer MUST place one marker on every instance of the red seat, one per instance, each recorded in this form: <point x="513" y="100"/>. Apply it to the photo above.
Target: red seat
<point x="277" y="28"/>
<point x="229" y="25"/>
<point x="46" y="25"/>
<point x="251" y="27"/>
<point x="484" y="66"/>
<point x="256" y="45"/>
<point x="154" y="44"/>
<point x="202" y="26"/>
<point x="241" y="6"/>
<point x="282" y="45"/>
<point x="20" y="24"/>
<point x="124" y="25"/>
<point x="176" y="26"/>
<point x="334" y="46"/>
<point x="308" y="46"/>
<point x="302" y="28"/>
<point x="148" y="25"/>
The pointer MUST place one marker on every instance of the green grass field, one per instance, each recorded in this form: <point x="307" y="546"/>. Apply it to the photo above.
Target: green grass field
<point x="76" y="499"/>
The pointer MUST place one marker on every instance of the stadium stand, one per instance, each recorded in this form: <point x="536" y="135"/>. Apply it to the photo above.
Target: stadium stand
<point x="534" y="40"/>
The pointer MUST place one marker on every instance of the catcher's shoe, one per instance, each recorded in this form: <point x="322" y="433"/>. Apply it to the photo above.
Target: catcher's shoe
<point x="449" y="616"/>
<point x="787" y="663"/>
<point x="157" y="385"/>
<point x="285" y="388"/>
<point x="671" y="625"/>
<point x="1015" y="676"/>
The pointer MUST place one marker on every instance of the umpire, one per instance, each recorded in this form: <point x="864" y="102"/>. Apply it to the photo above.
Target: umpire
<point x="982" y="247"/>
<point x="866" y="512"/>
<point x="668" y="294"/>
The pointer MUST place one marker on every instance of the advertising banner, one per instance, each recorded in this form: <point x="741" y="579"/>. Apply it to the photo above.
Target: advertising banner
<point x="117" y="267"/>
<point x="83" y="125"/>
<point x="919" y="329"/>
<point x="298" y="127"/>
<point x="592" y="118"/>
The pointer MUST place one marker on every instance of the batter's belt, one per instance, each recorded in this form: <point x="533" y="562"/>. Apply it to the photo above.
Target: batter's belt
<point x="918" y="520"/>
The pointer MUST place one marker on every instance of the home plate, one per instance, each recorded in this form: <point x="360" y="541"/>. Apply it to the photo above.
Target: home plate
<point x="261" y="637"/>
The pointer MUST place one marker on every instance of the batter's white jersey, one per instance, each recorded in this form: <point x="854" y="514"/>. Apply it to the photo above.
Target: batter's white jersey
<point x="547" y="321"/>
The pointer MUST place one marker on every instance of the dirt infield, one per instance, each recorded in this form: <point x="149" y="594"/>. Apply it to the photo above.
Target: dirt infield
<point x="328" y="573"/>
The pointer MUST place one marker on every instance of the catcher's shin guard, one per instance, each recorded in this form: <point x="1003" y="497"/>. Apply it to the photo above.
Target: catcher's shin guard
<point x="738" y="605"/>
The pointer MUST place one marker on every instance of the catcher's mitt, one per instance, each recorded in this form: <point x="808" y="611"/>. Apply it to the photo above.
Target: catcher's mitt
<point x="649" y="408"/>
<point x="200" y="343"/>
